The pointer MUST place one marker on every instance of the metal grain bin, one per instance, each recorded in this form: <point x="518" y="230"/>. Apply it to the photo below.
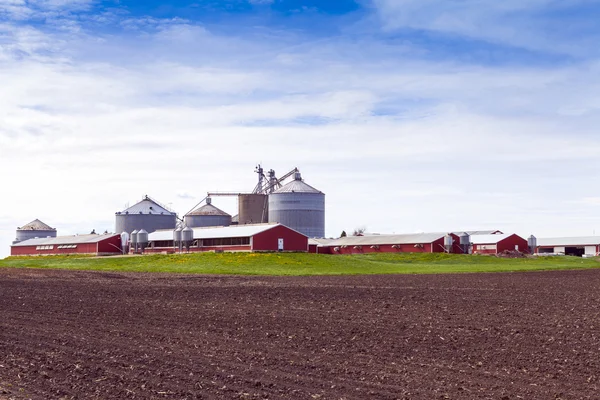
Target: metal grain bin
<point x="147" y="215"/>
<point x="253" y="208"/>
<point x="177" y="235"/>
<point x="134" y="237"/>
<point x="299" y="206"/>
<point x="207" y="215"/>
<point x="142" y="237"/>
<point x="187" y="235"/>
<point x="532" y="244"/>
<point x="34" y="229"/>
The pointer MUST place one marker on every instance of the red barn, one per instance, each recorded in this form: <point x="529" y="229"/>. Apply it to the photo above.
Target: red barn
<point x="79" y="244"/>
<point x="255" y="237"/>
<point x="408" y="243"/>
<point x="494" y="244"/>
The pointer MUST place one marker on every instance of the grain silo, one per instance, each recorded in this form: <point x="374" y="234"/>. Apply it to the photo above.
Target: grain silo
<point x="253" y="208"/>
<point x="34" y="229"/>
<point x="207" y="215"/>
<point x="299" y="206"/>
<point x="148" y="215"/>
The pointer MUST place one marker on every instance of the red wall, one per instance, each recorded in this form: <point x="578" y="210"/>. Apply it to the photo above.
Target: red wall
<point x="108" y="245"/>
<point x="82" y="248"/>
<point x="435" y="247"/>
<point x="196" y="249"/>
<point x="292" y="240"/>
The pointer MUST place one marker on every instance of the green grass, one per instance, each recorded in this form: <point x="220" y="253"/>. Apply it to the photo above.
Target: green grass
<point x="299" y="264"/>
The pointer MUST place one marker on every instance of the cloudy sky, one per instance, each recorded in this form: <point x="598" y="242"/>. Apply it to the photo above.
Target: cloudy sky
<point x="411" y="115"/>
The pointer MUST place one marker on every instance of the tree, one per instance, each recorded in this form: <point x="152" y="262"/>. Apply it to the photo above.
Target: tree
<point x="359" y="231"/>
<point x="343" y="234"/>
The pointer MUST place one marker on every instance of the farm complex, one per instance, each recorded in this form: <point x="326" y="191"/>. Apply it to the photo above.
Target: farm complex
<point x="280" y="214"/>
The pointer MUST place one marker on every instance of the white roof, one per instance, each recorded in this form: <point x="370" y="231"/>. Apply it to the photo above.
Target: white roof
<point x="319" y="241"/>
<point x="473" y="233"/>
<point x="414" y="238"/>
<point x="216" y="232"/>
<point x="569" y="241"/>
<point x="489" y="239"/>
<point x="77" y="239"/>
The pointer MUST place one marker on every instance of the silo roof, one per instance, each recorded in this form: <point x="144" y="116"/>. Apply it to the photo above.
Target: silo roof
<point x="209" y="209"/>
<point x="297" y="186"/>
<point x="147" y="206"/>
<point x="36" y="225"/>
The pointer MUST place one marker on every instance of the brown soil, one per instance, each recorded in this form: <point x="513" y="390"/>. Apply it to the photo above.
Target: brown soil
<point x="86" y="335"/>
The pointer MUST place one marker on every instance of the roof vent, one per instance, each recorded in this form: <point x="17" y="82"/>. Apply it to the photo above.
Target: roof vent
<point x="297" y="176"/>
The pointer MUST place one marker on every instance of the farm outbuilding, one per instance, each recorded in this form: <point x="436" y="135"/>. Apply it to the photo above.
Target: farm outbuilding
<point x="258" y="237"/>
<point x="570" y="246"/>
<point x="407" y="243"/>
<point x="498" y="243"/>
<point x="106" y="244"/>
<point x="34" y="229"/>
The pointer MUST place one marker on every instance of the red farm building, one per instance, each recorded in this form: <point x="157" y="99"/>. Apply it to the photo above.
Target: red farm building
<point x="257" y="237"/>
<point x="410" y="243"/>
<point x="495" y="244"/>
<point x="106" y="244"/>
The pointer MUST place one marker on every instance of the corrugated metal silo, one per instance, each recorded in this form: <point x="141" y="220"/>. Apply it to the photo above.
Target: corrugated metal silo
<point x="253" y="208"/>
<point x="34" y="229"/>
<point x="147" y="215"/>
<point x="299" y="206"/>
<point x="207" y="215"/>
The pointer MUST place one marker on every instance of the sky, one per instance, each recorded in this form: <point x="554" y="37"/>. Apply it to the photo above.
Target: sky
<point x="411" y="115"/>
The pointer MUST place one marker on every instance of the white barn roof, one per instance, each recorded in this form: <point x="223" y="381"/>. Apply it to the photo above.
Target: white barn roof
<point x="216" y="232"/>
<point x="489" y="239"/>
<point x="569" y="241"/>
<point x="415" y="238"/>
<point x="76" y="239"/>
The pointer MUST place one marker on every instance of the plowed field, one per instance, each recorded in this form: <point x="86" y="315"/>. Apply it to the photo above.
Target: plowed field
<point x="94" y="335"/>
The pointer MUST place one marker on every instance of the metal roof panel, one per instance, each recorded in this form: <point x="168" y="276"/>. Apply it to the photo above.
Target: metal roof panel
<point x="569" y="241"/>
<point x="75" y="239"/>
<point x="216" y="232"/>
<point x="414" y="238"/>
<point x="36" y="225"/>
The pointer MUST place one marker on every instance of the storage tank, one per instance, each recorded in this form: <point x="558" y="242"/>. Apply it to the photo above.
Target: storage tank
<point x="299" y="206"/>
<point x="34" y="229"/>
<point x="134" y="240"/>
<point x="253" y="208"/>
<point x="448" y="242"/>
<point x="207" y="215"/>
<point x="532" y="244"/>
<point x="147" y="215"/>
<point x="177" y="236"/>
<point x="465" y="242"/>
<point x="187" y="237"/>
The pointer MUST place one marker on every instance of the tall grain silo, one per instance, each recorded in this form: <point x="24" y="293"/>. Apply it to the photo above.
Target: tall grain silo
<point x="207" y="215"/>
<point x="299" y="206"/>
<point x="34" y="229"/>
<point x="253" y="208"/>
<point x="147" y="214"/>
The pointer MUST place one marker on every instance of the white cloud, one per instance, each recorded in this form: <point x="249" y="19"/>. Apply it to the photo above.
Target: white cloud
<point x="526" y="24"/>
<point x="89" y="123"/>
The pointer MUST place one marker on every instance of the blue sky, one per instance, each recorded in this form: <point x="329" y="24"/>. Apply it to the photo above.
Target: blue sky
<point x="411" y="115"/>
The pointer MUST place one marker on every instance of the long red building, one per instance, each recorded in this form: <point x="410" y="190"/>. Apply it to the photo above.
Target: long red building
<point x="106" y="244"/>
<point x="256" y="237"/>
<point x="408" y="243"/>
